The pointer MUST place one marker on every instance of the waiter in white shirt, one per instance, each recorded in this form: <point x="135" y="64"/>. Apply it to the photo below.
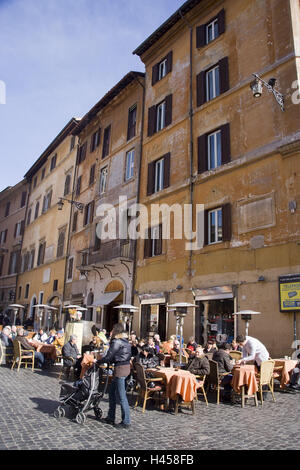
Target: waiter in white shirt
<point x="253" y="350"/>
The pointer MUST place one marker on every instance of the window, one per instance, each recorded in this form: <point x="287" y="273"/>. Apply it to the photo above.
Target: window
<point x="158" y="174"/>
<point x="95" y="140"/>
<point x="131" y="129"/>
<point x="129" y="168"/>
<point x="34" y="181"/>
<point x="81" y="154"/>
<point x="43" y="173"/>
<point x="92" y="174"/>
<point x="217" y="225"/>
<point x="162" y="68"/>
<point x="26" y="258"/>
<point x="84" y="258"/>
<point x="41" y="253"/>
<point x="29" y="216"/>
<point x="47" y="201"/>
<point x="7" y="207"/>
<point x="214" y="149"/>
<point x="53" y="162"/>
<point x="1" y="264"/>
<point x="88" y="213"/>
<point x="160" y="116"/>
<point x="55" y="285"/>
<point x="26" y="294"/>
<point x="213" y="82"/>
<point x="72" y="142"/>
<point x="19" y="228"/>
<point x="78" y="185"/>
<point x="14" y="262"/>
<point x="3" y="236"/>
<point x="23" y="198"/>
<point x="60" y="244"/>
<point x="70" y="269"/>
<point x="31" y="259"/>
<point x="153" y="243"/>
<point x="67" y="185"/>
<point x="74" y="224"/>
<point x="19" y="292"/>
<point x="106" y="139"/>
<point x="210" y="31"/>
<point x="103" y="180"/>
<point x="36" y="212"/>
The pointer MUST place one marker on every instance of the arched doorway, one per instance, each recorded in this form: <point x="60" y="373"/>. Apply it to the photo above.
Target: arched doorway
<point x="111" y="314"/>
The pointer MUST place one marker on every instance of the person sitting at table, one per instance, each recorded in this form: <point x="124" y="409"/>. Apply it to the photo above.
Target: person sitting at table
<point x="192" y="345"/>
<point x="146" y="358"/>
<point x="25" y="345"/>
<point x="168" y="345"/>
<point x="40" y="336"/>
<point x="157" y="342"/>
<point x="235" y="346"/>
<point x="176" y="350"/>
<point x="59" y="342"/>
<point x="150" y="343"/>
<point x="225" y="366"/>
<point x="295" y="377"/>
<point x="6" y="340"/>
<point x="51" y="337"/>
<point x="13" y="332"/>
<point x="210" y="347"/>
<point x="72" y="357"/>
<point x="199" y="364"/>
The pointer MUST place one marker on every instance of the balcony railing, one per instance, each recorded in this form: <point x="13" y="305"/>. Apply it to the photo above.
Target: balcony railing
<point x="110" y="250"/>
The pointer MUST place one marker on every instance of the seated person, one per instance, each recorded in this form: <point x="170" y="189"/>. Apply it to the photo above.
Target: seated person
<point x="157" y="342"/>
<point x="210" y="347"/>
<point x="25" y="345"/>
<point x="199" y="364"/>
<point x="51" y="337"/>
<point x="13" y="332"/>
<point x="151" y="345"/>
<point x="225" y="365"/>
<point x="235" y="346"/>
<point x="95" y="344"/>
<point x="134" y="348"/>
<point x="192" y="345"/>
<point x="176" y="350"/>
<point x="146" y="358"/>
<point x="6" y="340"/>
<point x="168" y="345"/>
<point x="69" y="352"/>
<point x="40" y="336"/>
<point x="59" y="342"/>
<point x="102" y="336"/>
<point x="295" y="377"/>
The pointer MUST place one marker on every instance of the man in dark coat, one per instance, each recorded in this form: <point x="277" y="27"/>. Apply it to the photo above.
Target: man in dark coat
<point x="222" y="357"/>
<point x="70" y="350"/>
<point x="199" y="364"/>
<point x="119" y="353"/>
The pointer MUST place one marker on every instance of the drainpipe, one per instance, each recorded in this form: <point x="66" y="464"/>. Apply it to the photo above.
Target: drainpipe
<point x="191" y="147"/>
<point x="138" y="190"/>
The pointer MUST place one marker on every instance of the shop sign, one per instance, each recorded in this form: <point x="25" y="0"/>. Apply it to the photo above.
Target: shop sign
<point x="289" y="292"/>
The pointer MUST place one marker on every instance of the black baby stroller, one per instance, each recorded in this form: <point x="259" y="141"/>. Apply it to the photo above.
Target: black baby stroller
<point x="84" y="395"/>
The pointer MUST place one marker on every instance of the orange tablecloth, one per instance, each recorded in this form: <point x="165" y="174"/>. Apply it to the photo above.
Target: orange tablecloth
<point x="284" y="374"/>
<point x="48" y="349"/>
<point x="180" y="382"/>
<point x="244" y="375"/>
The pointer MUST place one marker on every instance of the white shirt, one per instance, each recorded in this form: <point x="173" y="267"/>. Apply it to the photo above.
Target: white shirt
<point x="42" y="339"/>
<point x="254" y="350"/>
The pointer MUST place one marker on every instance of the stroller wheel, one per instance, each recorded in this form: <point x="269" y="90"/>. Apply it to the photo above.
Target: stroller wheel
<point x="59" y="412"/>
<point x="80" y="418"/>
<point x="98" y="413"/>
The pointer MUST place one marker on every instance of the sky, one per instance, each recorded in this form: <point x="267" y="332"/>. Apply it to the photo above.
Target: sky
<point x="57" y="59"/>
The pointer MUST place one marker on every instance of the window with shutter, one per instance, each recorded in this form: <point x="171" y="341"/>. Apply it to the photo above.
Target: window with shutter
<point x="41" y="253"/>
<point x="67" y="185"/>
<point x="151" y="121"/>
<point x="214" y="149"/>
<point x="26" y="294"/>
<point x="74" y="224"/>
<point x="106" y="139"/>
<point x="210" y="31"/>
<point x="131" y="129"/>
<point x="103" y="179"/>
<point x="1" y="264"/>
<point x="36" y="212"/>
<point x="7" y="207"/>
<point x="70" y="268"/>
<point x="217" y="225"/>
<point x="78" y="185"/>
<point x="53" y="162"/>
<point x="153" y="244"/>
<point x="162" y="68"/>
<point x="129" y="166"/>
<point x="29" y="217"/>
<point x="23" y="199"/>
<point x="213" y="82"/>
<point x="92" y="174"/>
<point x="60" y="244"/>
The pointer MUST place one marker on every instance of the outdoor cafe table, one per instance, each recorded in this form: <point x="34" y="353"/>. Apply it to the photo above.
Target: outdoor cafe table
<point x="283" y="374"/>
<point x="244" y="375"/>
<point x="48" y="349"/>
<point x="178" y="382"/>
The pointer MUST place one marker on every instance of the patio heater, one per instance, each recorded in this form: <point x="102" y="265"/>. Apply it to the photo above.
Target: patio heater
<point x="180" y="312"/>
<point x="246" y="315"/>
<point x="16" y="308"/>
<point x="42" y="308"/>
<point x="126" y="313"/>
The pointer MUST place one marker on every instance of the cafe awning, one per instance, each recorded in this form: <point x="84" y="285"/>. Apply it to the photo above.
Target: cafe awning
<point x="106" y="298"/>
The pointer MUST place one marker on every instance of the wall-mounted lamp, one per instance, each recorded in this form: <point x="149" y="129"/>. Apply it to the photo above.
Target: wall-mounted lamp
<point x="78" y="205"/>
<point x="292" y="206"/>
<point x="257" y="89"/>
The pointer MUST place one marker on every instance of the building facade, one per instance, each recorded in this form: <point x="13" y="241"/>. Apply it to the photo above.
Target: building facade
<point x="43" y="257"/>
<point x="100" y="268"/>
<point x="208" y="141"/>
<point x="13" y="201"/>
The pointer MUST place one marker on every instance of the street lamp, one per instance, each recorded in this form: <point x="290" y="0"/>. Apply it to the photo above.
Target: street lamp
<point x="180" y="312"/>
<point x="247" y="316"/>
<point x="77" y="204"/>
<point x="127" y="311"/>
<point x="257" y="89"/>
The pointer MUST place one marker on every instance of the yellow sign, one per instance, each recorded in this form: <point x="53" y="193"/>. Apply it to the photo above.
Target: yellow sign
<point x="289" y="293"/>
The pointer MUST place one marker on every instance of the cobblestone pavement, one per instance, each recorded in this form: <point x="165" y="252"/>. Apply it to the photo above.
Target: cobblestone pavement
<point x="27" y="422"/>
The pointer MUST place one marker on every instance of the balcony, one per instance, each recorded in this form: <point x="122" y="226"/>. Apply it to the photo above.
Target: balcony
<point x="109" y="251"/>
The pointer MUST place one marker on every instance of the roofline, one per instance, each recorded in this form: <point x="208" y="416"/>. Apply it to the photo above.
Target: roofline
<point x="123" y="83"/>
<point x="58" y="139"/>
<point x="10" y="189"/>
<point x="161" y="30"/>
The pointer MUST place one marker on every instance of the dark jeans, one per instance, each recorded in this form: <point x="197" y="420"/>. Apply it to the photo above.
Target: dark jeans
<point x="117" y="387"/>
<point x="226" y="382"/>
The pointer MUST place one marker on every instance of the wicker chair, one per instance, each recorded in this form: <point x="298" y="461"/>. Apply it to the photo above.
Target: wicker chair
<point x="215" y="378"/>
<point x="201" y="389"/>
<point x="22" y="355"/>
<point x="144" y="391"/>
<point x="265" y="377"/>
<point x="236" y="355"/>
<point x="8" y="357"/>
<point x="66" y="369"/>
